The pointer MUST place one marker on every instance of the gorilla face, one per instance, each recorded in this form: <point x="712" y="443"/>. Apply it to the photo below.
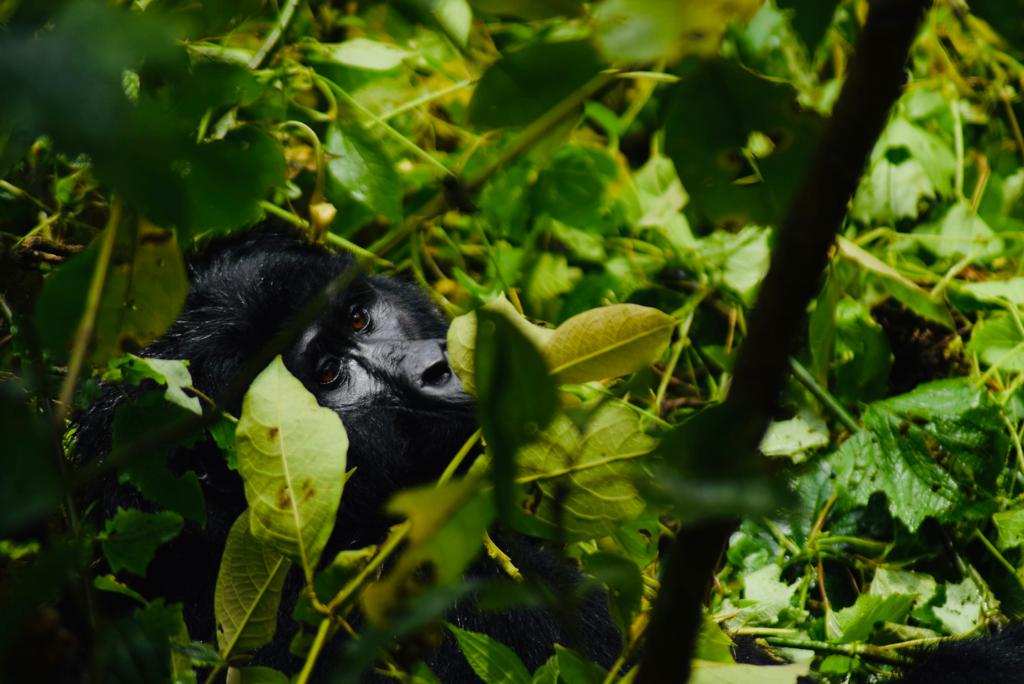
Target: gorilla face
<point x="374" y="358"/>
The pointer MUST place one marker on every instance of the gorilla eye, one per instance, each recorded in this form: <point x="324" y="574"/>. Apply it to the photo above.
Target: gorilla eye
<point x="329" y="371"/>
<point x="359" y="319"/>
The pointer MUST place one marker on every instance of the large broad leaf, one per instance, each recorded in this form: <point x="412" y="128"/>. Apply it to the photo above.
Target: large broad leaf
<point x="809" y="18"/>
<point x="517" y="396"/>
<point x="131" y="537"/>
<point x="709" y="120"/>
<point x="999" y="342"/>
<point x="857" y="622"/>
<point x="361" y="178"/>
<point x="248" y="591"/>
<point x="705" y="672"/>
<point x="149" y="472"/>
<point x="639" y="31"/>
<point x="171" y="373"/>
<point x="601" y="343"/>
<point x="445" y="529"/>
<point x="581" y="485"/>
<point x="608" y="342"/>
<point x="908" y="166"/>
<point x="906" y="291"/>
<point x="491" y="660"/>
<point x="462" y="338"/>
<point x="144" y="293"/>
<point x="930" y="451"/>
<point x="524" y="84"/>
<point x="363" y="53"/>
<point x="291" y="454"/>
<point x="960" y="234"/>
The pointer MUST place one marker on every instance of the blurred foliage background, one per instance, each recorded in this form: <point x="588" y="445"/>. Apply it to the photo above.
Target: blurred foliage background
<point x="566" y="155"/>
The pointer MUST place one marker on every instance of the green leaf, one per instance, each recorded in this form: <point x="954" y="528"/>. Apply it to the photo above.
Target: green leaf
<point x="462" y="338"/>
<point x="168" y="372"/>
<point x="144" y="293"/>
<point x="999" y="342"/>
<point x="1009" y="528"/>
<point x="360" y="175"/>
<point x="446" y="525"/>
<point x="642" y="31"/>
<point x="574" y="188"/>
<point x="492" y="661"/>
<point x="149" y="472"/>
<point x="363" y="53"/>
<point x="261" y="675"/>
<point x="960" y="234"/>
<point x="572" y="669"/>
<point x="705" y="672"/>
<point x="453" y="17"/>
<point x="659" y="192"/>
<point x="862" y="356"/>
<point x="115" y="586"/>
<point x="906" y="291"/>
<point x="1004" y="16"/>
<point x="908" y="166"/>
<point x="130" y="539"/>
<point x="625" y="587"/>
<point x="516" y="396"/>
<point x="291" y="454"/>
<point x="994" y="292"/>
<point x="736" y="261"/>
<point x="608" y="342"/>
<point x="524" y="84"/>
<point x="930" y="451"/>
<point x="529" y="10"/>
<point x="963" y="607"/>
<point x="809" y="18"/>
<point x="581" y="485"/>
<point x="30" y="487"/>
<point x="804" y="432"/>
<point x="889" y="581"/>
<point x="857" y="622"/>
<point x="710" y="116"/>
<point x="248" y="591"/>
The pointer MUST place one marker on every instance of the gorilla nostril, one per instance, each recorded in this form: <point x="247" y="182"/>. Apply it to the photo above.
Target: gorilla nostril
<point x="436" y="373"/>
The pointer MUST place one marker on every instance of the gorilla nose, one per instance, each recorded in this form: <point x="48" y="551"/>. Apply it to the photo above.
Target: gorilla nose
<point x="426" y="363"/>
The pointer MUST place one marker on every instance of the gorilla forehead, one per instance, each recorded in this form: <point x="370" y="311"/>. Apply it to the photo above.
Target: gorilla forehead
<point x="244" y="291"/>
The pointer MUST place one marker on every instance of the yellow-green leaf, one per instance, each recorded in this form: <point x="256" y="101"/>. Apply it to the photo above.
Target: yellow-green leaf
<point x="462" y="338"/>
<point x="608" y="342"/>
<point x="584" y="483"/>
<point x="291" y="454"/>
<point x="248" y="591"/>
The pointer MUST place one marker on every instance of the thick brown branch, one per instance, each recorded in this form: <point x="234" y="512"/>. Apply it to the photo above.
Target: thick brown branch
<point x="875" y="80"/>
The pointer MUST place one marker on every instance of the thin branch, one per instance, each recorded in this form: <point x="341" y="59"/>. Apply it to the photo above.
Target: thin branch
<point x="283" y="20"/>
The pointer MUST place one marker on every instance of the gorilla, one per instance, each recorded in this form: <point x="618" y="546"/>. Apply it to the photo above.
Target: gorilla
<point x="376" y="354"/>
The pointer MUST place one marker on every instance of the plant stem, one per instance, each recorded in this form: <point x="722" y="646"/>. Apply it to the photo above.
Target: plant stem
<point x="314" y="651"/>
<point x="397" y="535"/>
<point x="866" y="651"/>
<point x="805" y="378"/>
<point x="275" y="34"/>
<point x="87" y="326"/>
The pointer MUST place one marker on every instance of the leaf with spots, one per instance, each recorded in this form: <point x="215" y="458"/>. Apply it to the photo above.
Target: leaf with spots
<point x="248" y="591"/>
<point x="291" y="454"/>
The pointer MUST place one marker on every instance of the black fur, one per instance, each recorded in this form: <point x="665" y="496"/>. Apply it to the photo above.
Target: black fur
<point x="242" y="293"/>
<point x="995" y="659"/>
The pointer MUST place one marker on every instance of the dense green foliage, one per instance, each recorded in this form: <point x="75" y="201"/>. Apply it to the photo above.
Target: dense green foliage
<point x="542" y="160"/>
